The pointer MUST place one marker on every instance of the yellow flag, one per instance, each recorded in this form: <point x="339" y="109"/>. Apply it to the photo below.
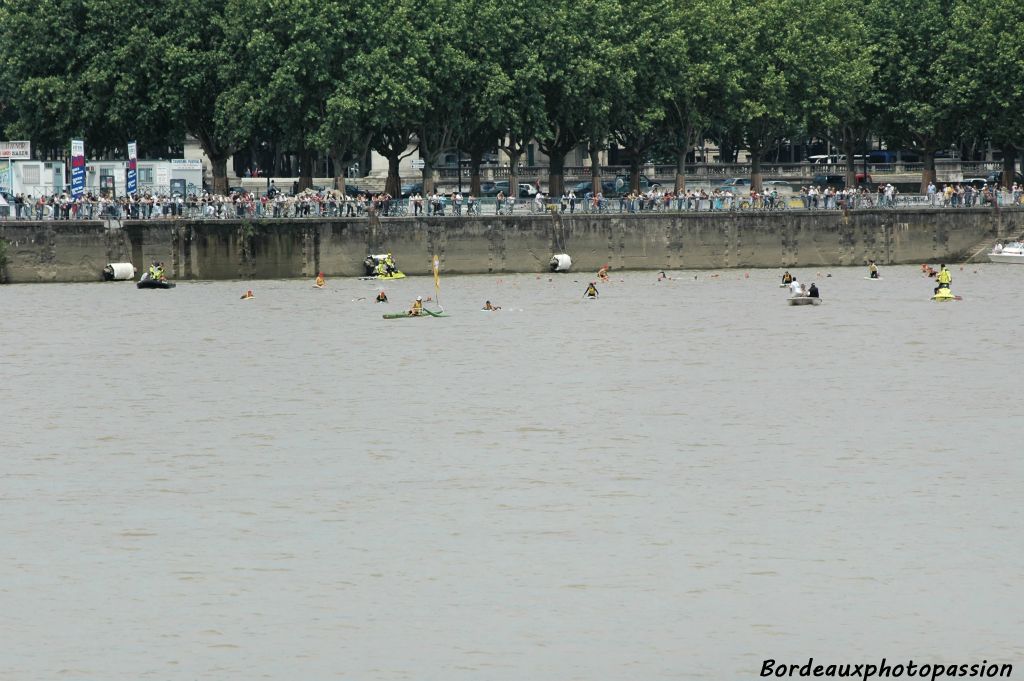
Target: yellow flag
<point x="437" y="273"/>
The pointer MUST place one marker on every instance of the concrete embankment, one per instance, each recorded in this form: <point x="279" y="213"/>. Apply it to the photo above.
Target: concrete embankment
<point x="242" y="249"/>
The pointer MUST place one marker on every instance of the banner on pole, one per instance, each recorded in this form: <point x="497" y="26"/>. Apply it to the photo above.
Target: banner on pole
<point x="77" y="168"/>
<point x="133" y="169"/>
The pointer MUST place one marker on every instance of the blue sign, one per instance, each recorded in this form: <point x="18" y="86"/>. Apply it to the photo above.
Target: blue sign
<point x="77" y="168"/>
<point x="133" y="171"/>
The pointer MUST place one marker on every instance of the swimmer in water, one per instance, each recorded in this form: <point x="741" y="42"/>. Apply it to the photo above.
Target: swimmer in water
<point x="247" y="295"/>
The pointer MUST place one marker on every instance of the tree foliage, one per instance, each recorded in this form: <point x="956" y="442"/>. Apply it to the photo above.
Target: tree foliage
<point x="650" y="76"/>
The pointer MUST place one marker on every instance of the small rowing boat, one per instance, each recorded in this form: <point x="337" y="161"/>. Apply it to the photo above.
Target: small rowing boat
<point x="407" y="314"/>
<point x="804" y="300"/>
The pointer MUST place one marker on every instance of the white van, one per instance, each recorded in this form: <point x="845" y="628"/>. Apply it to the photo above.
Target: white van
<point x="826" y="159"/>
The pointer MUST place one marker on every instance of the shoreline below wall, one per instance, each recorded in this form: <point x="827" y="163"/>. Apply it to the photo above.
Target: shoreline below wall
<point x="76" y="251"/>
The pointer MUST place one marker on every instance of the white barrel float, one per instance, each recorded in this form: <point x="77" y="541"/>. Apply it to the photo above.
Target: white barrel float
<point x="560" y="262"/>
<point x="117" y="271"/>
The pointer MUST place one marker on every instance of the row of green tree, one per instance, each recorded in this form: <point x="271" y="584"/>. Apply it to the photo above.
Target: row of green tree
<point x="338" y="78"/>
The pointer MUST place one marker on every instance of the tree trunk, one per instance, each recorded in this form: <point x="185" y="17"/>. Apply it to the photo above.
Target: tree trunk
<point x="928" y="171"/>
<point x="756" y="180"/>
<point x="338" y="156"/>
<point x="1009" y="164"/>
<point x="513" y="172"/>
<point x="851" y="169"/>
<point x="476" y="158"/>
<point x="634" y="171"/>
<point x="427" y="177"/>
<point x="393" y="185"/>
<point x="219" y="167"/>
<point x="681" y="170"/>
<point x="306" y="171"/>
<point x="595" y="169"/>
<point x="556" y="172"/>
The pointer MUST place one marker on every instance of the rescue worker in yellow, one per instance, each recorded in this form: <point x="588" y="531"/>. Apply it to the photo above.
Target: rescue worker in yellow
<point x="872" y="269"/>
<point x="382" y="269"/>
<point x="389" y="264"/>
<point x="591" y="291"/>
<point x="154" y="270"/>
<point x="787" y="278"/>
<point x="417" y="307"/>
<point x="944" y="278"/>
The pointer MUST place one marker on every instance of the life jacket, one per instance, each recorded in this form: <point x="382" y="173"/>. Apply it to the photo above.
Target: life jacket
<point x="945" y="277"/>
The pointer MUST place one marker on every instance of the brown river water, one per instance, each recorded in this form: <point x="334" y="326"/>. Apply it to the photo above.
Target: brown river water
<point x="676" y="481"/>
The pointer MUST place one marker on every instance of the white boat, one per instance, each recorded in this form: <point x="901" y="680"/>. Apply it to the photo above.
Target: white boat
<point x="804" y="300"/>
<point x="1011" y="252"/>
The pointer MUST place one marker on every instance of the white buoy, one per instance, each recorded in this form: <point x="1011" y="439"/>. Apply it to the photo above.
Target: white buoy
<point x="119" y="271"/>
<point x="560" y="262"/>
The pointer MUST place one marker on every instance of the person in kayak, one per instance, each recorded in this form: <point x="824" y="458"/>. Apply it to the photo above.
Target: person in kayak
<point x="872" y="269"/>
<point x="602" y="273"/>
<point x="944" y="278"/>
<point x="488" y="306"/>
<point x="417" y="307"/>
<point x="787" y="278"/>
<point x="247" y="295"/>
<point x="591" y="291"/>
<point x="320" y="281"/>
<point x="382" y="297"/>
<point x="813" y="291"/>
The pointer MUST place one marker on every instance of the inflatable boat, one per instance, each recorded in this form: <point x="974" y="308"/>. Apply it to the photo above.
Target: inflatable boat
<point x="149" y="282"/>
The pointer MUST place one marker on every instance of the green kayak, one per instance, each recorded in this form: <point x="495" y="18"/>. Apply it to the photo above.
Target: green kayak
<point x="406" y="315"/>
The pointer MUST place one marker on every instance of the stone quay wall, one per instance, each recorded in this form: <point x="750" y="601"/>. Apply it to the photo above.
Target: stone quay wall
<point x="268" y="249"/>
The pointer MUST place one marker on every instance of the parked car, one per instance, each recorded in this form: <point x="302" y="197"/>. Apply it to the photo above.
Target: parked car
<point x="617" y="185"/>
<point x="781" y="187"/>
<point x="411" y="188"/>
<point x="736" y="185"/>
<point x="839" y="181"/>
<point x="996" y="178"/>
<point x="608" y="187"/>
<point x="526" y="190"/>
<point x="889" y="156"/>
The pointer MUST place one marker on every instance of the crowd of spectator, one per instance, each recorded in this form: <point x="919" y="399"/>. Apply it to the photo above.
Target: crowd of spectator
<point x="332" y="203"/>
